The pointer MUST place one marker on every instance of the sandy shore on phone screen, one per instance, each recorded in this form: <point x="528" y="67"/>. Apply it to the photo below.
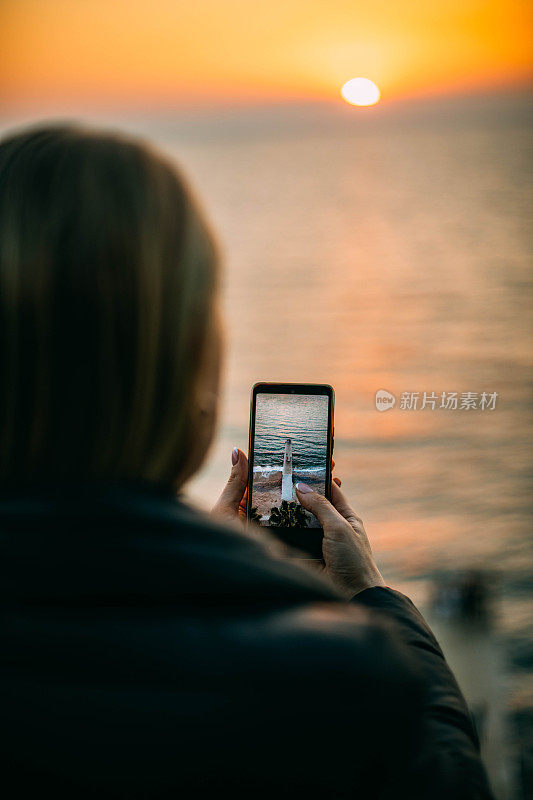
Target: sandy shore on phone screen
<point x="267" y="490"/>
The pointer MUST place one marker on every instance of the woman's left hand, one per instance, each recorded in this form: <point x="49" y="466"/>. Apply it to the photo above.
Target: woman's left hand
<point x="231" y="504"/>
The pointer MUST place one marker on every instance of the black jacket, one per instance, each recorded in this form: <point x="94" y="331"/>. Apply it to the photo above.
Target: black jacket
<point x="150" y="653"/>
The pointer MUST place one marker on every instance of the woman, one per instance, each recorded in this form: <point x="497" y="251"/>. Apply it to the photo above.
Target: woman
<point x="148" y="649"/>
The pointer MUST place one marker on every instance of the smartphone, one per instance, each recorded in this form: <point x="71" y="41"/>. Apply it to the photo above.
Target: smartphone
<point x="291" y="441"/>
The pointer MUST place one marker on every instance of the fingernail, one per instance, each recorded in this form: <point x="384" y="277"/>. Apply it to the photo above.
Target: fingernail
<point x="303" y="488"/>
<point x="234" y="456"/>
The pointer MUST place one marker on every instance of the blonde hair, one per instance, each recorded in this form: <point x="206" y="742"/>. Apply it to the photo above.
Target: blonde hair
<point x="107" y="296"/>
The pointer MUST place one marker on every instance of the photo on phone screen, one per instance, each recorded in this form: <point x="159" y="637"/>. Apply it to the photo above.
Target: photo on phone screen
<point x="290" y="445"/>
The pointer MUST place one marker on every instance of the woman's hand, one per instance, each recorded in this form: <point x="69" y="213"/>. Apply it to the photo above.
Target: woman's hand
<point x="347" y="552"/>
<point x="231" y="504"/>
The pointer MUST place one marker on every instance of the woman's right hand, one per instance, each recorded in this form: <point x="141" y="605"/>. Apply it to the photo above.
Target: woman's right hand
<point x="346" y="549"/>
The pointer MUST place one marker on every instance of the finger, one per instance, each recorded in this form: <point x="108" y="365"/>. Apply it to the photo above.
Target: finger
<point x="244" y="500"/>
<point x="338" y="481"/>
<point x="317" y="504"/>
<point x="243" y="505"/>
<point x="228" y="502"/>
<point x="341" y="503"/>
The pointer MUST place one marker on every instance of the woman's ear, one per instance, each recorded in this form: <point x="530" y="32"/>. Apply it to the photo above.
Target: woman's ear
<point x="203" y="413"/>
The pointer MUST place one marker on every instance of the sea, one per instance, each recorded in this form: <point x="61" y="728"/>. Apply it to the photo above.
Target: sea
<point x="301" y="418"/>
<point x="389" y="249"/>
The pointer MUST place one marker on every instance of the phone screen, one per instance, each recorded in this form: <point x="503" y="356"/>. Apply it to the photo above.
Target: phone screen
<point x="290" y="443"/>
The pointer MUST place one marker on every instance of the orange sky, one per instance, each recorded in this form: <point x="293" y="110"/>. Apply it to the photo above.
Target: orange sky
<point x="91" y="53"/>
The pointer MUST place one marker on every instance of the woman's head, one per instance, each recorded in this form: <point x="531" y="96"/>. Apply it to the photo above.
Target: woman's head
<point x="109" y="339"/>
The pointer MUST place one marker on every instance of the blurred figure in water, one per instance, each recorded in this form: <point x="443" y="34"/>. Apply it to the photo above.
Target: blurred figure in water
<point x="475" y="597"/>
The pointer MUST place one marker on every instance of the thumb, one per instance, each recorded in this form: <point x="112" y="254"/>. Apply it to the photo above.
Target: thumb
<point x="318" y="505"/>
<point x="227" y="504"/>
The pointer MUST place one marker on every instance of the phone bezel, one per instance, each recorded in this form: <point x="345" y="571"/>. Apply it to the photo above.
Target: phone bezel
<point x="308" y="541"/>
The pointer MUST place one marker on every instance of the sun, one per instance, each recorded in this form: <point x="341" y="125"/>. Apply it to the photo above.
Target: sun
<point x="360" y="92"/>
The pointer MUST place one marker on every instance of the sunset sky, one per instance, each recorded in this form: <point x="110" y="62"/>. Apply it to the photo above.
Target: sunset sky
<point x="166" y="53"/>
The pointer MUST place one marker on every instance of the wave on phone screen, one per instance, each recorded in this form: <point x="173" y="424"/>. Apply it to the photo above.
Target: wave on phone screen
<point x="290" y="446"/>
